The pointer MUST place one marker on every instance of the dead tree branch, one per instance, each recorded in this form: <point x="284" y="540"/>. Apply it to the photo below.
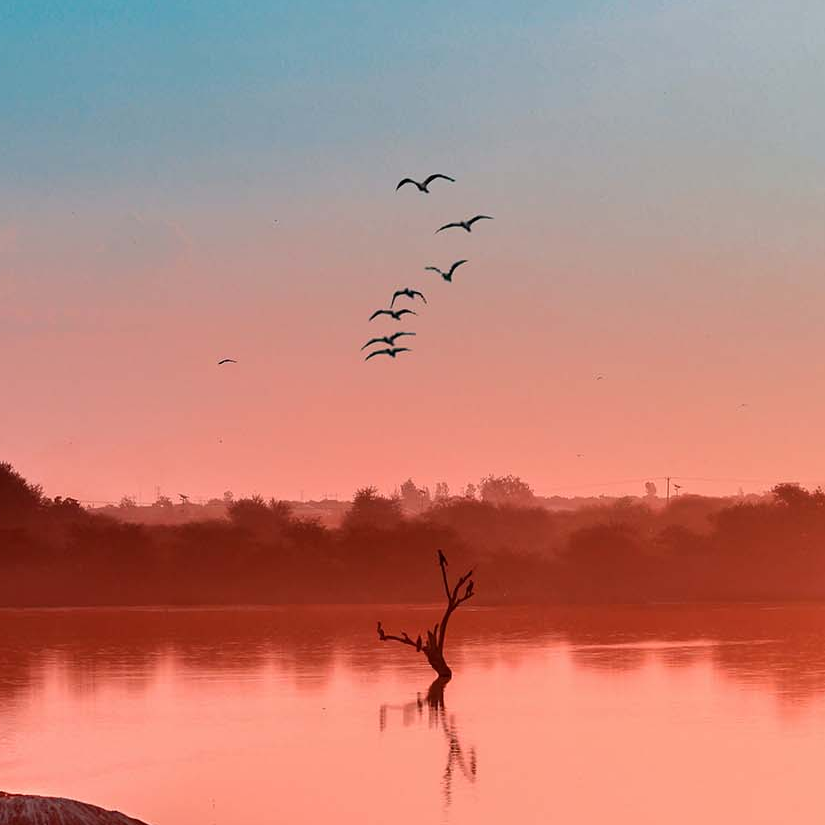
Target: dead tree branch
<point x="433" y="646"/>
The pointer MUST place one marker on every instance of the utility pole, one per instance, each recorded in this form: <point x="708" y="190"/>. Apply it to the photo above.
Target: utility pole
<point x="668" y="489"/>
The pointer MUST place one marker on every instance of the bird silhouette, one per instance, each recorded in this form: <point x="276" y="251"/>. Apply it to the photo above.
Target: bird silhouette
<point x="448" y="275"/>
<point x="600" y="378"/>
<point x="442" y="559"/>
<point x="422" y="187"/>
<point x="579" y="455"/>
<point x="395" y="314"/>
<point x="468" y="224"/>
<point x="409" y="293"/>
<point x="391" y="352"/>
<point x="386" y="339"/>
<point x="227" y="361"/>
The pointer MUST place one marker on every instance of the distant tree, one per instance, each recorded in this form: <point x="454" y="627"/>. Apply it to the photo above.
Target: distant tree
<point x="66" y="505"/>
<point x="470" y="491"/>
<point x="507" y="489"/>
<point x="16" y="494"/>
<point x="281" y="511"/>
<point x="650" y="489"/>
<point x="371" y="509"/>
<point x="442" y="491"/>
<point x="414" y="499"/>
<point x="250" y="514"/>
<point x="796" y="497"/>
<point x="163" y="501"/>
<point x="228" y="497"/>
<point x="127" y="503"/>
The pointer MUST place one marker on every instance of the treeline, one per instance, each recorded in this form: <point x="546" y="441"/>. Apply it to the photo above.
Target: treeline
<point x="53" y="552"/>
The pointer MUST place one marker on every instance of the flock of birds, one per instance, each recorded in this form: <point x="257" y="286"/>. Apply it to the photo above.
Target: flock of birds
<point x="391" y="350"/>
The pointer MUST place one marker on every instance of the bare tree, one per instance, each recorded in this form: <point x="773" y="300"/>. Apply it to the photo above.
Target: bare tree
<point x="433" y="646"/>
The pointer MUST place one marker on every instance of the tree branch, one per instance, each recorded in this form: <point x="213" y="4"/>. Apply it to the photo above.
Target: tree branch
<point x="442" y="562"/>
<point x="433" y="647"/>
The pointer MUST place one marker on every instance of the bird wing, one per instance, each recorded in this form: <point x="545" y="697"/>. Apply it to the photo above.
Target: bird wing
<point x="447" y="226"/>
<point x="397" y="294"/>
<point x="478" y="218"/>
<point x="380" y="312"/>
<point x="397" y="335"/>
<point x="457" y="264"/>
<point x="396" y="350"/>
<point x="401" y="183"/>
<point x="414" y="292"/>
<point x="378" y="352"/>
<point x="434" y="269"/>
<point x="407" y="312"/>
<point x="227" y="361"/>
<point x="431" y="178"/>
<point x="374" y="341"/>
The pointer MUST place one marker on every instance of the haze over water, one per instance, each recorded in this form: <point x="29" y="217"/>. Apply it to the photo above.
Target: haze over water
<point x="627" y="714"/>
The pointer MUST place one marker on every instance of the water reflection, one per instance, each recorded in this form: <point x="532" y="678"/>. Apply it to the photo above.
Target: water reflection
<point x="437" y="718"/>
<point x="782" y="650"/>
<point x="192" y="716"/>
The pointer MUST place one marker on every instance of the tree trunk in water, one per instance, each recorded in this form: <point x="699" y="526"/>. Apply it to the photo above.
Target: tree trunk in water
<point x="436" y="660"/>
<point x="433" y="646"/>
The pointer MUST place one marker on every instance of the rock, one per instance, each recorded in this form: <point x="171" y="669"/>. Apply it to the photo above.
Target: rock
<point x="23" y="809"/>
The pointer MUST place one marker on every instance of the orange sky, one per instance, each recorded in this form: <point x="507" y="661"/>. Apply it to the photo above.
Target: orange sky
<point x="658" y="219"/>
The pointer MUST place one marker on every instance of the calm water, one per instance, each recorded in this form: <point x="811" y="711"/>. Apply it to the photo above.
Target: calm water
<point x="619" y="715"/>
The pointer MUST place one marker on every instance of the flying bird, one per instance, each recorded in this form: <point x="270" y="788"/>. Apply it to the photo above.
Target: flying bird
<point x="422" y="187"/>
<point x="742" y="405"/>
<point x="386" y="339"/>
<point x="409" y="293"/>
<point x="391" y="352"/>
<point x="600" y="378"/>
<point x="227" y="361"/>
<point x="579" y="455"/>
<point x="394" y="313"/>
<point x="442" y="559"/>
<point x="468" y="224"/>
<point x="448" y="275"/>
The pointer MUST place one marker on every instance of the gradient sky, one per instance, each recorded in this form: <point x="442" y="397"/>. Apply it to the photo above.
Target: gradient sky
<point x="658" y="181"/>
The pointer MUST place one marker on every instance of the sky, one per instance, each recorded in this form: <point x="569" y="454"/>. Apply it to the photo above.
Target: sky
<point x="654" y="170"/>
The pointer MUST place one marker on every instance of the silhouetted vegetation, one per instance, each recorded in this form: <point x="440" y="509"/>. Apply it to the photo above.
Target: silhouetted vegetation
<point x="54" y="552"/>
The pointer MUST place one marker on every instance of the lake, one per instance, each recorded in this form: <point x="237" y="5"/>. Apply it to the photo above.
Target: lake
<point x="649" y="714"/>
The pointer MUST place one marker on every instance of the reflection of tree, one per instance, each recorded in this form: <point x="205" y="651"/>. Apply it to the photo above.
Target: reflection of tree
<point x="437" y="717"/>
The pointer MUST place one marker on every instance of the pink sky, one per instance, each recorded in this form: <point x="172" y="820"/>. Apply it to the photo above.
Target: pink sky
<point x="655" y="178"/>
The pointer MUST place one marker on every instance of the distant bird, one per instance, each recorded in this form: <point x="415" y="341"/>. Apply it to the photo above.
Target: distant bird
<point x="448" y="275"/>
<point x="409" y="293"/>
<point x="418" y="643"/>
<point x="442" y="559"/>
<point x="579" y="455"/>
<point x="422" y="187"/>
<point x="227" y="361"/>
<point x="600" y="378"/>
<point x="742" y="405"/>
<point x="391" y="352"/>
<point x="386" y="339"/>
<point x="394" y="313"/>
<point x="468" y="224"/>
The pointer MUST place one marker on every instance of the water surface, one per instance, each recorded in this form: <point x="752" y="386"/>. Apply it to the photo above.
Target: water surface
<point x="582" y="715"/>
